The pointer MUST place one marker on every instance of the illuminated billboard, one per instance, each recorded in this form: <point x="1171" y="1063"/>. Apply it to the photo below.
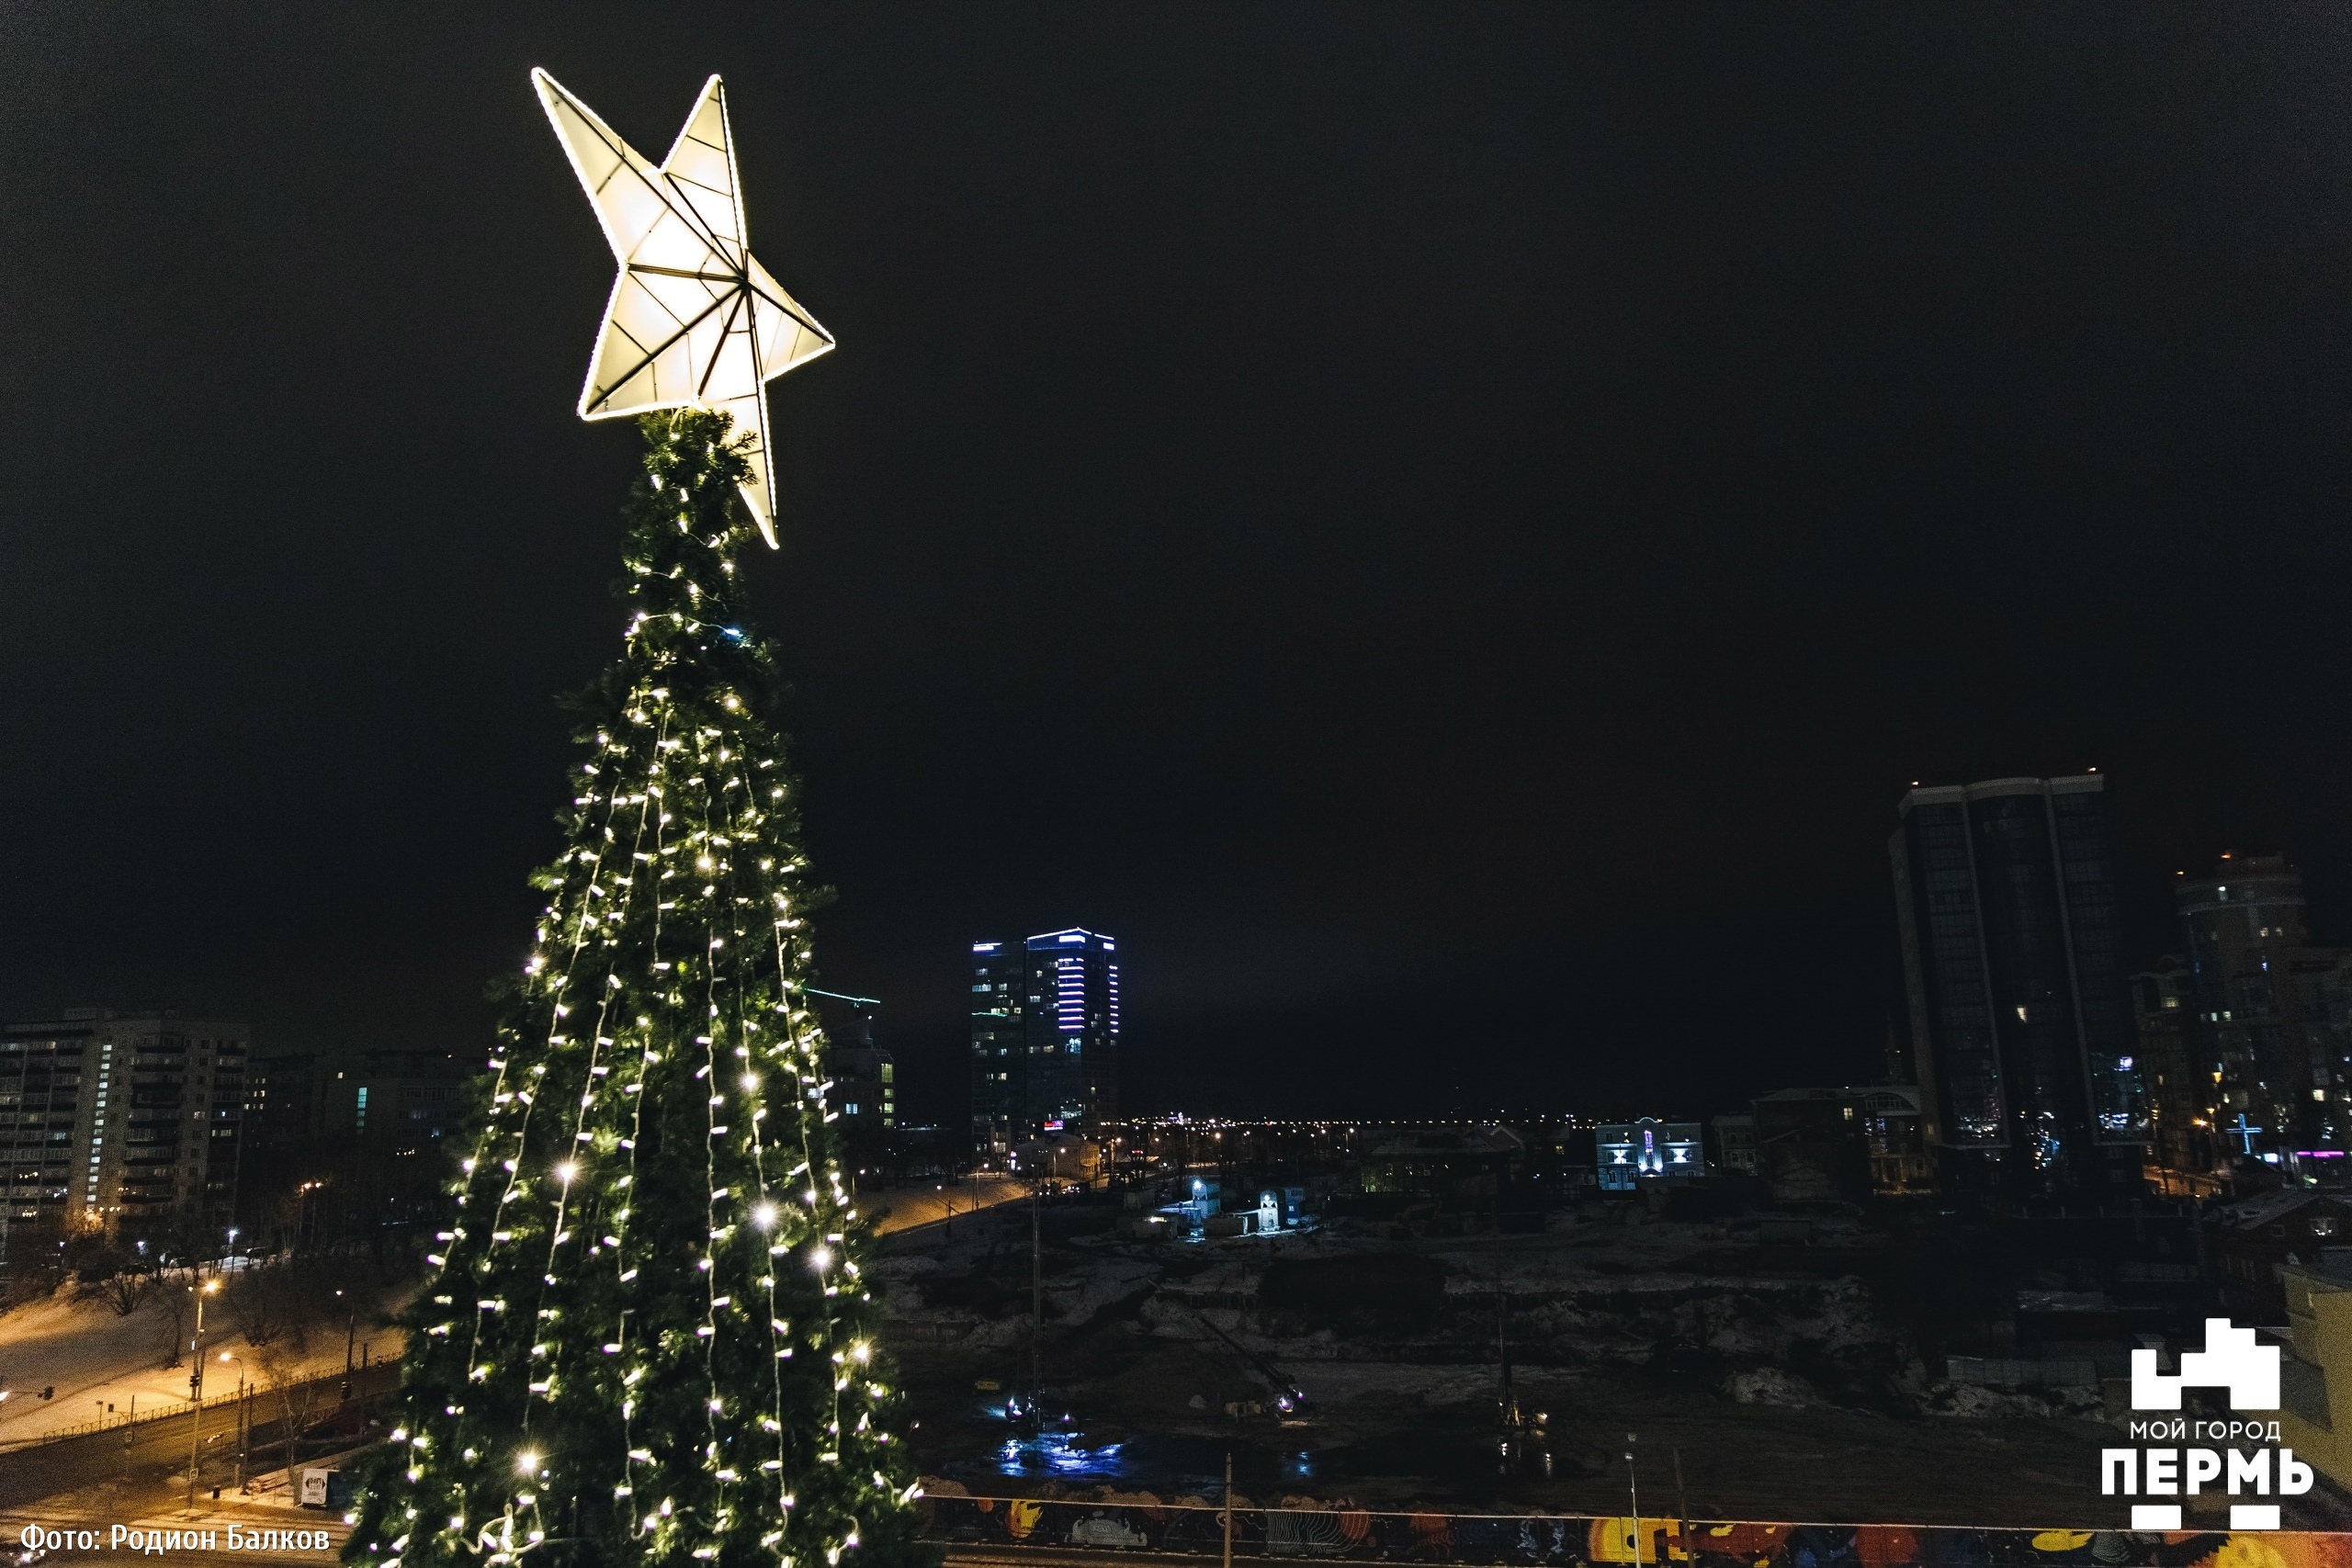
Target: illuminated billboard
<point x="1626" y="1153"/>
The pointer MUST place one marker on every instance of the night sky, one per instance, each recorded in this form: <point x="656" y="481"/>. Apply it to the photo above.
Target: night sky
<point x="1446" y="528"/>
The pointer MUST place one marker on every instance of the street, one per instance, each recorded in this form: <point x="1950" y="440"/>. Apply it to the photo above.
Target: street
<point x="906" y="1208"/>
<point x="99" y="1481"/>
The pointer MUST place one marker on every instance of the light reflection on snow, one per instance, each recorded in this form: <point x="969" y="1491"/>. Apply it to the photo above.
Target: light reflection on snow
<point x="1058" y="1453"/>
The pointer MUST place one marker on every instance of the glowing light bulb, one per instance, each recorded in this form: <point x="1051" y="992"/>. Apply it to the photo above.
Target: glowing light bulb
<point x="763" y="1216"/>
<point x="527" y="1462"/>
<point x="750" y="1080"/>
<point x="820" y="1258"/>
<point x="566" y="1171"/>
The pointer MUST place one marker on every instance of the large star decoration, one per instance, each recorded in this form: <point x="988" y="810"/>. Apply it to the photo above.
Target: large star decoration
<point x="695" y="321"/>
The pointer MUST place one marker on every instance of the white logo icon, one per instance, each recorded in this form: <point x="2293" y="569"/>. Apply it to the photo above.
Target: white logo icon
<point x="2231" y="1359"/>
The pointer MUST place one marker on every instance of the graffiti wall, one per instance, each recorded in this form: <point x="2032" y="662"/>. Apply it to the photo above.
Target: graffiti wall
<point x="1546" y="1537"/>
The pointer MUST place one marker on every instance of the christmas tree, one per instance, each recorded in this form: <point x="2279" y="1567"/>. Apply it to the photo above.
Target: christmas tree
<point x="646" y="1338"/>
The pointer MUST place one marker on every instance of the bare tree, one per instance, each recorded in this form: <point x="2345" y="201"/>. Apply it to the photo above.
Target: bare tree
<point x="127" y="1290"/>
<point x="297" y="1398"/>
<point x="127" y="1287"/>
<point x="175" y="1305"/>
<point x="261" y="1301"/>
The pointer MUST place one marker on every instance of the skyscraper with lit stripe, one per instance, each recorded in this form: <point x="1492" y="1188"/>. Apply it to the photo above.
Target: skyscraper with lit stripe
<point x="1044" y="1035"/>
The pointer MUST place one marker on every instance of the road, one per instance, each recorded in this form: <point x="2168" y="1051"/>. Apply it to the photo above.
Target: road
<point x="909" y="1207"/>
<point x="137" y="1476"/>
<point x="98" y="1481"/>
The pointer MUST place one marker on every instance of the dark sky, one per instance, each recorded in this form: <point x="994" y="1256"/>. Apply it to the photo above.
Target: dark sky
<point x="1446" y="528"/>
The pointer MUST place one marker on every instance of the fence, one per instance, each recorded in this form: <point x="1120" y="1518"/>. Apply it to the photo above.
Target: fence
<point x="1344" y="1534"/>
<point x="366" y="1381"/>
<point x="2000" y="1372"/>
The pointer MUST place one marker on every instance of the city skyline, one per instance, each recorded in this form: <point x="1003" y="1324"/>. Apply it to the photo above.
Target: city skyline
<point x="1502" y="783"/>
<point x="943" y="1089"/>
<point x="1548" y="681"/>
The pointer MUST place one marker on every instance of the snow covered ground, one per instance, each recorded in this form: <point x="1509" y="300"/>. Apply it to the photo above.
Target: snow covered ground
<point x="93" y="1360"/>
<point x="99" y="1363"/>
<point x="903" y="1208"/>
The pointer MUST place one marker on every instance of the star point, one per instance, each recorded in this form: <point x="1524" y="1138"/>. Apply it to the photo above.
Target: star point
<point x="694" y="319"/>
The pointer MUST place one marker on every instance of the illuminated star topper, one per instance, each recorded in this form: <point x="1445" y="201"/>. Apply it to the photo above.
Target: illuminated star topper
<point x="693" y="320"/>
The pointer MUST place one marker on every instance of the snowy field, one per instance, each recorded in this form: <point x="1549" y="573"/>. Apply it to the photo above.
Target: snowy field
<point x="94" y="1358"/>
<point x="103" y="1366"/>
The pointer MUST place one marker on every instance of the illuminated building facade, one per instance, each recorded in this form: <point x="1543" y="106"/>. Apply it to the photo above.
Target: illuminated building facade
<point x="2269" y="1012"/>
<point x="1628" y="1153"/>
<point x="119" y="1122"/>
<point x="1044" y="1035"/>
<point x="2021" y="1024"/>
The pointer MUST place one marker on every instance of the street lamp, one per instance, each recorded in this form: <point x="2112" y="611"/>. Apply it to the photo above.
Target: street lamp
<point x="242" y="1437"/>
<point x="350" y="1333"/>
<point x="1633" y="1494"/>
<point x="196" y="1386"/>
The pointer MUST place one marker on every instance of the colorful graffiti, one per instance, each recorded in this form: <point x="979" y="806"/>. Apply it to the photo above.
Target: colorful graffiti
<point x="1364" y="1536"/>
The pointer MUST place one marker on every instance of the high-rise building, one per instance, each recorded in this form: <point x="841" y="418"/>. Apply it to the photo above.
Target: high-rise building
<point x="119" y="1122"/>
<point x="2021" y="1024"/>
<point x="349" y="1144"/>
<point x="866" y="1087"/>
<point x="393" y="1101"/>
<point x="2184" y="1093"/>
<point x="1044" y="1035"/>
<point x="2270" y="1013"/>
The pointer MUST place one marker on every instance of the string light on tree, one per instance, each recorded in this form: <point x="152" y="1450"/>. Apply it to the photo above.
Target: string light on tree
<point x="609" y="1365"/>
